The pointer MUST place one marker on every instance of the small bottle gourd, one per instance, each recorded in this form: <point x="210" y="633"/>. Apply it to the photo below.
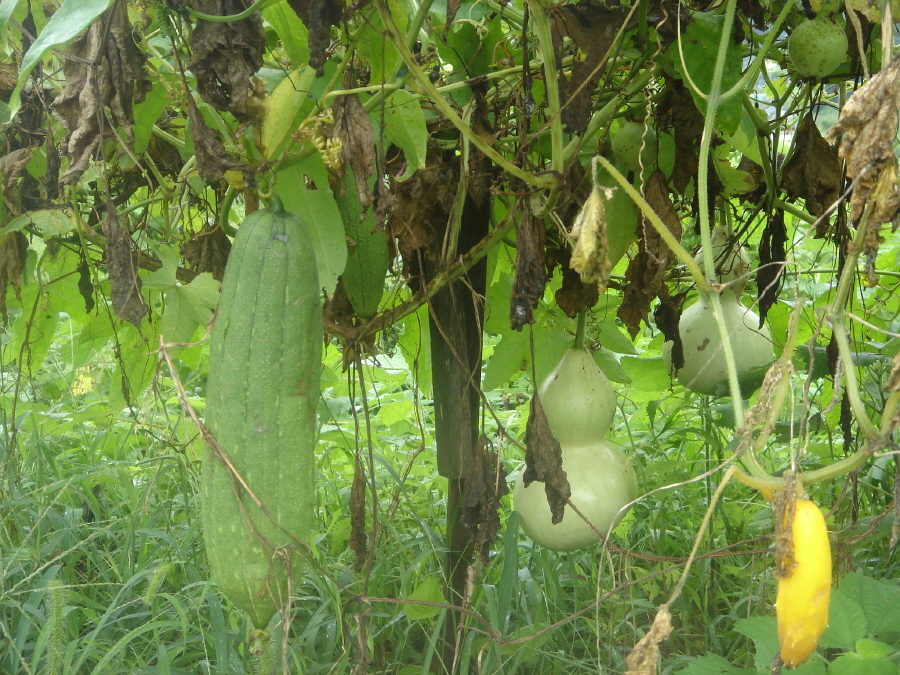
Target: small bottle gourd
<point x="262" y="395"/>
<point x="705" y="367"/>
<point x="579" y="403"/>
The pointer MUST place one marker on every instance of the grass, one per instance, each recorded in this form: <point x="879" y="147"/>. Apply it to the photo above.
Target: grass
<point x="103" y="567"/>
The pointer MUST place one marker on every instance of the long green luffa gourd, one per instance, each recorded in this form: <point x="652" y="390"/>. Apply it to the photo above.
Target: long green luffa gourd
<point x="262" y="393"/>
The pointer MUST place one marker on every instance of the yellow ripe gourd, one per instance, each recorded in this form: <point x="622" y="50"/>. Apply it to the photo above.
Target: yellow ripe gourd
<point x="802" y="601"/>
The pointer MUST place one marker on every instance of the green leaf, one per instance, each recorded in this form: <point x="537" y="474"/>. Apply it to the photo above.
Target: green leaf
<point x="51" y="222"/>
<point x="762" y="630"/>
<point x="874" y="649"/>
<point x="846" y="622"/>
<point x="854" y="664"/>
<point x="428" y="590"/>
<point x="609" y="364"/>
<point x="700" y="46"/>
<point x="621" y="219"/>
<point x="612" y="337"/>
<point x="318" y="210"/>
<point x="646" y="374"/>
<point x="281" y="108"/>
<point x="165" y="277"/>
<point x="879" y="601"/>
<point x="512" y="352"/>
<point x="187" y="308"/>
<point x="291" y="31"/>
<point x="712" y="664"/>
<point x="376" y="49"/>
<point x="470" y="47"/>
<point x="404" y="126"/>
<point x="68" y="21"/>
<point x="146" y="113"/>
<point x="134" y="367"/>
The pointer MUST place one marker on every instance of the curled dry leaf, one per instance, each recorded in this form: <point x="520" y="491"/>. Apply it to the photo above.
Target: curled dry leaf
<point x="485" y="483"/>
<point x="590" y="255"/>
<point x="354" y="129"/>
<point x="785" y="505"/>
<point x="85" y="285"/>
<point x="13" y="252"/>
<point x="813" y="172"/>
<point x="11" y="168"/>
<point x="212" y="159"/>
<point x="644" y="658"/>
<point x="893" y="383"/>
<point x="868" y="124"/>
<point x="531" y="276"/>
<point x="318" y="16"/>
<point x="105" y="70"/>
<point x="543" y="460"/>
<point x="592" y="29"/>
<point x="224" y="55"/>
<point x="125" y="284"/>
<point x="207" y="251"/>
<point x="667" y="317"/>
<point x="647" y="269"/>
<point x="772" y="257"/>
<point x="359" y="541"/>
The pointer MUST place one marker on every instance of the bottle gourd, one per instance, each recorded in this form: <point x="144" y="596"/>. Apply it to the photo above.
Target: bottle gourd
<point x="262" y="394"/>
<point x="579" y="403"/>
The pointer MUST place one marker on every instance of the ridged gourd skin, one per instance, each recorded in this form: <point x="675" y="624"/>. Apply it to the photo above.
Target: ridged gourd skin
<point x="802" y="601"/>
<point x="704" y="359"/>
<point x="580" y="404"/>
<point x="368" y="258"/>
<point x="262" y="396"/>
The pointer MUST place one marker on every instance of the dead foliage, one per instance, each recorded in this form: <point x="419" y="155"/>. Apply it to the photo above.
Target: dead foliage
<point x="86" y="285"/>
<point x="543" y="460"/>
<point x="13" y="252"/>
<point x="125" y="284"/>
<point x="354" y="129"/>
<point x="592" y="28"/>
<point x="359" y="540"/>
<point x="318" y="16"/>
<point x="644" y="658"/>
<point x="212" y="159"/>
<point x="667" y="317"/>
<point x="646" y="271"/>
<point x="772" y="258"/>
<point x="784" y="509"/>
<point x="485" y="483"/>
<point x="224" y="56"/>
<point x="677" y="111"/>
<point x="813" y="172"/>
<point x="207" y="251"/>
<point x="12" y="166"/>
<point x="893" y="382"/>
<point x="754" y="12"/>
<point x="868" y="124"/>
<point x="528" y="288"/>
<point x="105" y="71"/>
<point x="590" y="254"/>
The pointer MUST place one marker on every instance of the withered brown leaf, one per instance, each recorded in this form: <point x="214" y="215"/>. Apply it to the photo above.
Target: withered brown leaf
<point x="644" y="658"/>
<point x="772" y="257"/>
<point x="13" y="252"/>
<point x="485" y="484"/>
<point x="354" y="129"/>
<point x="359" y="540"/>
<point x="667" y="317"/>
<point x="125" y="284"/>
<point x="543" y="460"/>
<point x="11" y="168"/>
<point x="207" y="251"/>
<point x="318" y="16"/>
<point x="813" y="172"/>
<point x="590" y="255"/>
<point x="224" y="55"/>
<point x="868" y="124"/>
<point x="647" y="269"/>
<point x="531" y="276"/>
<point x="106" y="71"/>
<point x="212" y="159"/>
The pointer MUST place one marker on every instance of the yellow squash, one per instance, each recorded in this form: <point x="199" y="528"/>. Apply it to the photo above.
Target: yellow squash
<point x="802" y="602"/>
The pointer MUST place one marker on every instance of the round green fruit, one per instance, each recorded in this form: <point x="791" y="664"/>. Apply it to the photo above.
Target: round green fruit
<point x="626" y="146"/>
<point x="817" y="47"/>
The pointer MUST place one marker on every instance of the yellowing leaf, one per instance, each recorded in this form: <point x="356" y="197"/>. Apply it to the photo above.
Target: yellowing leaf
<point x="282" y="106"/>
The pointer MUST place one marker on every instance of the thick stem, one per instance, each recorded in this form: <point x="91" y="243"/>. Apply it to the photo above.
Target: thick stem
<point x="580" y="329"/>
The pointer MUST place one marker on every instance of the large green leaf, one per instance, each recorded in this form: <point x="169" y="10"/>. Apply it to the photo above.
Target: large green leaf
<point x="68" y="21"/>
<point x="879" y="601"/>
<point x="404" y="125"/>
<point x="846" y="622"/>
<point x="380" y="55"/>
<point x="281" y="108"/>
<point x="317" y="208"/>
<point x="291" y="31"/>
<point x="856" y="664"/>
<point x="700" y="46"/>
